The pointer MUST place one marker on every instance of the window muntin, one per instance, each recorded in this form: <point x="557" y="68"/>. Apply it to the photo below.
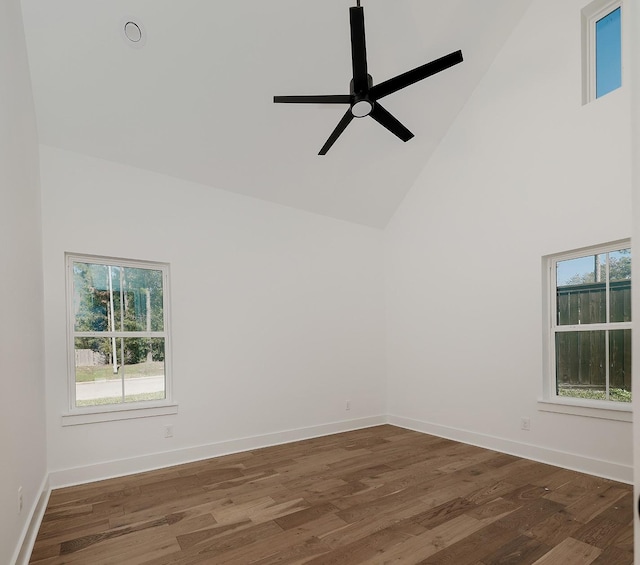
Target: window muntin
<point x="118" y="331"/>
<point x="591" y="325"/>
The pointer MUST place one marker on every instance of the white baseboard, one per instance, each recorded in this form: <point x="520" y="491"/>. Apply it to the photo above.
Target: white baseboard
<point x="30" y="531"/>
<point x="121" y="467"/>
<point x="572" y="461"/>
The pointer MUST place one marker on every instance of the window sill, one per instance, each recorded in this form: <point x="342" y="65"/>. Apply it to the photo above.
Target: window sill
<point x="77" y="418"/>
<point x="618" y="412"/>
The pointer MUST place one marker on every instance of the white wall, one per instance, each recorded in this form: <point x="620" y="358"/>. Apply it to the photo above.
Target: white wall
<point x="525" y="171"/>
<point x="22" y="433"/>
<point x="277" y="314"/>
<point x="635" y="147"/>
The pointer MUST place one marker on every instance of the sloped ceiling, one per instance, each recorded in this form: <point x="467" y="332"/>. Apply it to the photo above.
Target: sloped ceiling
<point x="196" y="101"/>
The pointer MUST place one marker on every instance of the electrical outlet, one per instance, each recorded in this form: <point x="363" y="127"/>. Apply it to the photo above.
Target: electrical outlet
<point x="525" y="424"/>
<point x="20" y="500"/>
<point x="168" y="431"/>
<point x="348" y="406"/>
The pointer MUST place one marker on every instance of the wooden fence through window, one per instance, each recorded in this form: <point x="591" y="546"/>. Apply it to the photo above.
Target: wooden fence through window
<point x="581" y="356"/>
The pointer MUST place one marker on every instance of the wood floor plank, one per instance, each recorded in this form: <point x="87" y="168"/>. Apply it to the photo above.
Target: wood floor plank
<point x="215" y="549"/>
<point x="490" y="492"/>
<point x="368" y="525"/>
<point x="555" y="528"/>
<point x="363" y="550"/>
<point x="570" y="552"/>
<point x="594" y="502"/>
<point x="522" y="550"/>
<point x="423" y="546"/>
<point x="496" y="507"/>
<point x="614" y="556"/>
<point x="478" y="544"/>
<point x="443" y="513"/>
<point x="300" y="517"/>
<point x="376" y="495"/>
<point x="530" y="514"/>
<point x="600" y="532"/>
<point x="624" y="540"/>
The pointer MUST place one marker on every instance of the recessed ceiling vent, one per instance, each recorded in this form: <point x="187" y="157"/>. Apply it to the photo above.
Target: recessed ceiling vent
<point x="133" y="32"/>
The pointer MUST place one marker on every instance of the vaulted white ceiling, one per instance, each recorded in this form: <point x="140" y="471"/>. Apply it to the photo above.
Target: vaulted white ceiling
<point x="196" y="101"/>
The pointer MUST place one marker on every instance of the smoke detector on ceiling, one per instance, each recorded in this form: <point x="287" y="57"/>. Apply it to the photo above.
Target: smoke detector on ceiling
<point x="133" y="32"/>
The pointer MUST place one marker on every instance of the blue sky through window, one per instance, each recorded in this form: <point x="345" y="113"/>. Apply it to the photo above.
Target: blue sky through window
<point x="576" y="267"/>
<point x="608" y="53"/>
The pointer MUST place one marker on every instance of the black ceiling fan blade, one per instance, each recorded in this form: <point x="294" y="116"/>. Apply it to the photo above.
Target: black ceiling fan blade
<point x="358" y="50"/>
<point x="342" y="125"/>
<point x="320" y="99"/>
<point x="410" y="77"/>
<point x="384" y="118"/>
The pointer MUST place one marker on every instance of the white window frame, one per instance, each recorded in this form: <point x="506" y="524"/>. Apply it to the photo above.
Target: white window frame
<point x="591" y="14"/>
<point x="550" y="400"/>
<point x="121" y="411"/>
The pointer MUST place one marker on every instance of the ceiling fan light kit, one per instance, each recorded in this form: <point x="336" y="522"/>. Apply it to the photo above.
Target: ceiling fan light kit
<point x="362" y="108"/>
<point x="364" y="95"/>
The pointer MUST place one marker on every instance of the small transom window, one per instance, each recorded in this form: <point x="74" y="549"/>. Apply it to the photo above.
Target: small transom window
<point x="602" y="48"/>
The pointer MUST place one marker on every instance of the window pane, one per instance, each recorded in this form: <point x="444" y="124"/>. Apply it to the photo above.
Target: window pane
<point x="116" y="298"/>
<point x="90" y="297"/>
<point x="144" y="375"/>
<point x="581" y="290"/>
<point x="136" y="374"/>
<point x="620" y="365"/>
<point x="98" y="374"/>
<point x="143" y="298"/>
<point x="581" y="364"/>
<point x="620" y="265"/>
<point x="608" y="53"/>
<point x="620" y="277"/>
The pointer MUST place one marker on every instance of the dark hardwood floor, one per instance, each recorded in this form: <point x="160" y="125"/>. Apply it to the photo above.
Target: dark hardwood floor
<point x="378" y="495"/>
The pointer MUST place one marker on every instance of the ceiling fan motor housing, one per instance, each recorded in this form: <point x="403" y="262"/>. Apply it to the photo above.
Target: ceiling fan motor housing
<point x="361" y="105"/>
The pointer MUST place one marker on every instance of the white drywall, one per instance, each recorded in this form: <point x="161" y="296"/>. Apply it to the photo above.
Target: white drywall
<point x="525" y="171"/>
<point x="22" y="433"/>
<point x="635" y="159"/>
<point x="278" y="315"/>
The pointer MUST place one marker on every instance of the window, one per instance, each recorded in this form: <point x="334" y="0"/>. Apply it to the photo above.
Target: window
<point x="118" y="333"/>
<point x="602" y="48"/>
<point x="590" y="326"/>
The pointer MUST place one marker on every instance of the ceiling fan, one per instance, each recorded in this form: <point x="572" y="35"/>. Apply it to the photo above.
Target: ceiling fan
<point x="364" y="95"/>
